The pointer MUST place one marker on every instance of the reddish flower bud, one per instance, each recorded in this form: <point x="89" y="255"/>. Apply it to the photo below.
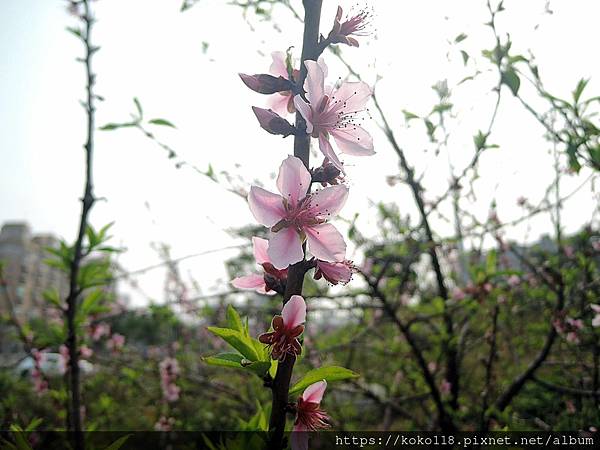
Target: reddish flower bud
<point x="266" y="84"/>
<point x="273" y="122"/>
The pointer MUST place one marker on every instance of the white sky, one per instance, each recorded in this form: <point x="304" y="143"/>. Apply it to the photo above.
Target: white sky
<point x="152" y="51"/>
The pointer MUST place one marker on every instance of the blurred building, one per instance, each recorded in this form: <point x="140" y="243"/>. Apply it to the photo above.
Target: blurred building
<point x="24" y="270"/>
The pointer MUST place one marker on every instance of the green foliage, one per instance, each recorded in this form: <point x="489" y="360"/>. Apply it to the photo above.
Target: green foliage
<point x="329" y="374"/>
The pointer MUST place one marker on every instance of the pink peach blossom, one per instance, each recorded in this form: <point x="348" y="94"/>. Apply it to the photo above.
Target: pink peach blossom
<point x="596" y="319"/>
<point x="353" y="24"/>
<point x="295" y="216"/>
<point x="116" y="342"/>
<point x="263" y="284"/>
<point x="335" y="112"/>
<point x="283" y="340"/>
<point x="309" y="415"/>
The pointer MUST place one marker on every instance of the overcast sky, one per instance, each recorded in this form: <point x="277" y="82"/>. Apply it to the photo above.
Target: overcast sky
<point x="152" y="51"/>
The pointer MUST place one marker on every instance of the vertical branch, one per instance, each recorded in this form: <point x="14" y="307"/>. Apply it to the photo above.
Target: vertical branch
<point x="489" y="367"/>
<point x="75" y="421"/>
<point x="295" y="280"/>
<point x="452" y="369"/>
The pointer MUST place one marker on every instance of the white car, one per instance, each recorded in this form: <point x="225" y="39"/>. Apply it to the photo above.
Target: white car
<point x="52" y="365"/>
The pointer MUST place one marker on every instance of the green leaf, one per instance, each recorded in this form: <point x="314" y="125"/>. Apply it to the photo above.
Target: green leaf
<point x="115" y="126"/>
<point x="34" y="424"/>
<point x="442" y="107"/>
<point x="408" y="116"/>
<point x="512" y="80"/>
<point x="237" y="340"/>
<point x="118" y="443"/>
<point x="234" y="320"/>
<point x="461" y="37"/>
<point x="480" y="140"/>
<point x="163" y="122"/>
<point x="138" y="106"/>
<point x="430" y="129"/>
<point x="465" y="57"/>
<point x="237" y="361"/>
<point x="579" y="89"/>
<point x="75" y="31"/>
<point x="53" y="297"/>
<point x="331" y="373"/>
<point x="491" y="262"/>
<point x="91" y="303"/>
<point x="225" y="360"/>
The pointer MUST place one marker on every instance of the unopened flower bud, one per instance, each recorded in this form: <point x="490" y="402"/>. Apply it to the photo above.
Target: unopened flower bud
<point x="273" y="122"/>
<point x="266" y="84"/>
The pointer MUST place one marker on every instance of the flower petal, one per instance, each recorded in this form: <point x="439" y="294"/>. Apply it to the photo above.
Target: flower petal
<point x="328" y="201"/>
<point x="260" y="246"/>
<point x="294" y="312"/>
<point x="334" y="272"/>
<point x="285" y="248"/>
<point x="314" y="393"/>
<point x="314" y="84"/>
<point x="306" y="112"/>
<point x="353" y="95"/>
<point x="353" y="141"/>
<point x="294" y="180"/>
<point x="266" y="207"/>
<point x="278" y="67"/>
<point x="327" y="150"/>
<point x="325" y="242"/>
<point x="279" y="103"/>
<point x="252" y="281"/>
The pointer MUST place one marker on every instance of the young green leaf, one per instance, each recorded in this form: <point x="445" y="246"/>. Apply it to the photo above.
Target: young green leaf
<point x="329" y="374"/>
<point x="162" y="122"/>
<point x="237" y="340"/>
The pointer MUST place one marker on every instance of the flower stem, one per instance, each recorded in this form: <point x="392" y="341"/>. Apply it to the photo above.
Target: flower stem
<point x="281" y="383"/>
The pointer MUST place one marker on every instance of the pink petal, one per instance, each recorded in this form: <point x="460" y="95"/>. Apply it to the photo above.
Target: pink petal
<point x="314" y="393"/>
<point x="251" y="281"/>
<point x="260" y="246"/>
<point x="266" y="207"/>
<point x="596" y="321"/>
<point x="279" y="103"/>
<point x="335" y="272"/>
<point x="323" y="66"/>
<point x="354" y="141"/>
<point x="327" y="150"/>
<point x="299" y="438"/>
<point x="315" y="83"/>
<point x="294" y="180"/>
<point x="596" y="308"/>
<point x="306" y="112"/>
<point x="353" y="95"/>
<point x="294" y="312"/>
<point x="325" y="242"/>
<point x="263" y="290"/>
<point x="285" y="248"/>
<point x="328" y="201"/>
<point x="278" y="67"/>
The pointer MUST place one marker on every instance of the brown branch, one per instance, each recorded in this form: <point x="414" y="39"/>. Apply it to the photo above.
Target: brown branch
<point x="567" y="390"/>
<point x="281" y="382"/>
<point x="75" y="420"/>
<point x="445" y="421"/>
